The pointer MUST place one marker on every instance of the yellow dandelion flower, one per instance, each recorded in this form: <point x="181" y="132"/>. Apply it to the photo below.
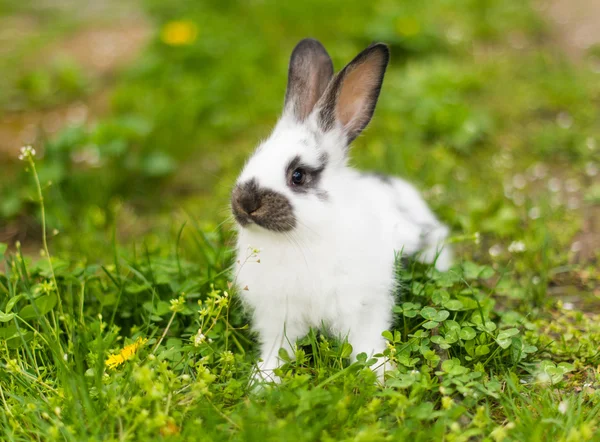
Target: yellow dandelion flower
<point x="127" y="353"/>
<point x="179" y="33"/>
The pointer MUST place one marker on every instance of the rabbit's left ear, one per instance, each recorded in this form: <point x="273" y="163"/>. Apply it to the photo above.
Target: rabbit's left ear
<point x="309" y="73"/>
<point x="351" y="97"/>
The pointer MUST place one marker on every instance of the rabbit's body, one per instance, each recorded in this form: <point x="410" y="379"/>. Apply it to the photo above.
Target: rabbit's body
<point x="326" y="234"/>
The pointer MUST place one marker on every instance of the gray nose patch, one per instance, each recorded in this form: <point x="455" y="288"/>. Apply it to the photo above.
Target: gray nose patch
<point x="264" y="207"/>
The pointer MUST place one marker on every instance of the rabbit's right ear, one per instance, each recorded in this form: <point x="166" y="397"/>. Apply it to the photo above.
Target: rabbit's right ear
<point x="352" y="95"/>
<point x="309" y="73"/>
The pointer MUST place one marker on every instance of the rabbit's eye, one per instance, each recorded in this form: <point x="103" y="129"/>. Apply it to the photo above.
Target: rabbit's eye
<point x="298" y="177"/>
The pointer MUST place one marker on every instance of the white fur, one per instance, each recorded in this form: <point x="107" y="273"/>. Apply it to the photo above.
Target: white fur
<point x="336" y="268"/>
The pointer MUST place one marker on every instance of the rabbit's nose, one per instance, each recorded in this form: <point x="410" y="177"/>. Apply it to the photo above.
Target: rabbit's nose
<point x="245" y="201"/>
<point x="249" y="202"/>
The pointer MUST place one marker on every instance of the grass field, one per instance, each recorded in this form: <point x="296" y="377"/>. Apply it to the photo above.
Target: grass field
<point x="119" y="318"/>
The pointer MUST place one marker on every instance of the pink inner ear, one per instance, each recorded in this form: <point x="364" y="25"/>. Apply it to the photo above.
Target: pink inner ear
<point x="357" y="88"/>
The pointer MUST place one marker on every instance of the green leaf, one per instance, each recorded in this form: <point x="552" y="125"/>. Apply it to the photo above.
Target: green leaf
<point x="283" y="355"/>
<point x="474" y="271"/>
<point x="44" y="304"/>
<point x="506" y="334"/>
<point x="431" y="355"/>
<point x="388" y="335"/>
<point x="19" y="340"/>
<point x="565" y="367"/>
<point x="3" y="248"/>
<point x="162" y="308"/>
<point x="135" y="288"/>
<point x="440" y="296"/>
<point x="429" y="313"/>
<point x="5" y="317"/>
<point x="430" y="324"/>
<point x="11" y="303"/>
<point x="504" y="343"/>
<point x="405" y="380"/>
<point x="454" y="305"/>
<point x="8" y="332"/>
<point x="346" y="350"/>
<point x="442" y="315"/>
<point x="451" y="336"/>
<point x="467" y="333"/>
<point x="410" y="306"/>
<point x="437" y="339"/>
<point x="482" y="350"/>
<point x="452" y="325"/>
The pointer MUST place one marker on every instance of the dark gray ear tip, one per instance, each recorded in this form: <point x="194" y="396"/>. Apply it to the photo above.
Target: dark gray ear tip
<point x="310" y="44"/>
<point x="381" y="48"/>
<point x="311" y="48"/>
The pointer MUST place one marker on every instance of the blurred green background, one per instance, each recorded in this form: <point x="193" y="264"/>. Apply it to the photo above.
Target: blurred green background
<point x="144" y="111"/>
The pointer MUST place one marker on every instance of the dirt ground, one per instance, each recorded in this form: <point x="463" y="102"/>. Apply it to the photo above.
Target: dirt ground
<point x="576" y="28"/>
<point x="576" y="24"/>
<point x="101" y="51"/>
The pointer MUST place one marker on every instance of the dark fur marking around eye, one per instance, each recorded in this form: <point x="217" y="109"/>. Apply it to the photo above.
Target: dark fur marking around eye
<point x="269" y="209"/>
<point x="313" y="176"/>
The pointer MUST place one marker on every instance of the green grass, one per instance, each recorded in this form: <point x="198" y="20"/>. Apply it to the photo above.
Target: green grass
<point x="489" y="120"/>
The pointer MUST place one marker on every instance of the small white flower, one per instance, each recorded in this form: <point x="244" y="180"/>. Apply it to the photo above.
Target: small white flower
<point x="519" y="181"/>
<point x="539" y="171"/>
<point x="591" y="169"/>
<point x="564" y="120"/>
<point x="517" y="247"/>
<point x="572" y="185"/>
<point x="563" y="407"/>
<point x="534" y="213"/>
<point x="26" y="152"/>
<point x="573" y="203"/>
<point x="576" y="247"/>
<point x="568" y="306"/>
<point x="544" y="378"/>
<point x="437" y="190"/>
<point x="536" y="280"/>
<point x="199" y="338"/>
<point x="518" y="199"/>
<point x="590" y="143"/>
<point x="495" y="250"/>
<point x="477" y="237"/>
<point x="554" y="185"/>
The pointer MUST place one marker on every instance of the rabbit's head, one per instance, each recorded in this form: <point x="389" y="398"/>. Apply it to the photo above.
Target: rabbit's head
<point x="285" y="183"/>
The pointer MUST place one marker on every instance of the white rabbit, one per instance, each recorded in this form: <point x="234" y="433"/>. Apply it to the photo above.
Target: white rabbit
<point x="326" y="234"/>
